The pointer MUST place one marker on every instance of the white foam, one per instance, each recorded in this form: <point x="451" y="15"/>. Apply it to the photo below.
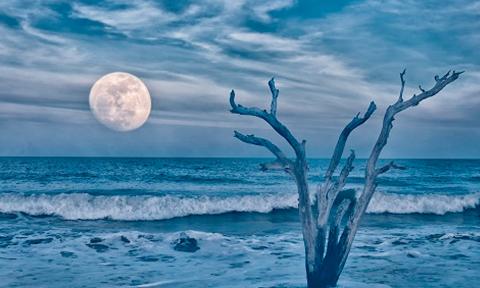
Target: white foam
<point x="466" y="235"/>
<point x="156" y="284"/>
<point x="424" y="204"/>
<point x="89" y="207"/>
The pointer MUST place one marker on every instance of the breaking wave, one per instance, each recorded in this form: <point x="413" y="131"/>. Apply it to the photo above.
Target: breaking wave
<point x="82" y="206"/>
<point x="424" y="204"/>
<point x="88" y="207"/>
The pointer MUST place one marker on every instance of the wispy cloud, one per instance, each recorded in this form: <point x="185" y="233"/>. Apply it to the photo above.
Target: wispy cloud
<point x="329" y="65"/>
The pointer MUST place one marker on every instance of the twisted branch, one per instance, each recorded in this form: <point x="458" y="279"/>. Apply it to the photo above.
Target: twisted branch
<point x="282" y="161"/>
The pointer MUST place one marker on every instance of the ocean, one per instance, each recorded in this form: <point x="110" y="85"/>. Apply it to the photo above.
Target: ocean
<point x="111" y="222"/>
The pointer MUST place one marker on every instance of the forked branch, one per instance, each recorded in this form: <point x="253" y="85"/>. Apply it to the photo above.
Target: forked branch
<point x="298" y="168"/>
<point x="342" y="139"/>
<point x="394" y="109"/>
<point x="372" y="172"/>
<point x="328" y="191"/>
<point x="440" y="83"/>
<point x="271" y="119"/>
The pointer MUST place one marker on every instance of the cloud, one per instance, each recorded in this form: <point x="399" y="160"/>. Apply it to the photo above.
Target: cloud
<point x="125" y="16"/>
<point x="329" y="63"/>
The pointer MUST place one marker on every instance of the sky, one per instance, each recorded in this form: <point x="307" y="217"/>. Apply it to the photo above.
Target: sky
<point x="329" y="59"/>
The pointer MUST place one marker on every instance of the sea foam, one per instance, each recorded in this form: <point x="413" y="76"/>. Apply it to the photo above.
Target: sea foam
<point x="143" y="207"/>
<point x="424" y="203"/>
<point x="88" y="207"/>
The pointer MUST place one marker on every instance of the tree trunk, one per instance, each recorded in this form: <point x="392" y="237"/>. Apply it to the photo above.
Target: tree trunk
<point x="325" y="274"/>
<point x="320" y="278"/>
<point x="326" y="257"/>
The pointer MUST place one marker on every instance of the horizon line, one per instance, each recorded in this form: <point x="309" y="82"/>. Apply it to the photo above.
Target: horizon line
<point x="229" y="157"/>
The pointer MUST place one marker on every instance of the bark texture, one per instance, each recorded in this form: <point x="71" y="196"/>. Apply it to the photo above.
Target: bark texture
<point x="330" y="218"/>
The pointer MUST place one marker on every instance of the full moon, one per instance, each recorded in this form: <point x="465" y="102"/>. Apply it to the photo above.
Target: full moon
<point x="120" y="101"/>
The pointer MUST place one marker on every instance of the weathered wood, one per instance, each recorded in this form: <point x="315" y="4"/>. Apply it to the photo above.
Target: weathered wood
<point x="274" y="91"/>
<point x="282" y="161"/>
<point x="326" y="245"/>
<point x="298" y="168"/>
<point x="372" y="172"/>
<point x="328" y="188"/>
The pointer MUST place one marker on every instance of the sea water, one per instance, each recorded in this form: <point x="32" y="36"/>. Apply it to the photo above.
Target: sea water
<point x="111" y="222"/>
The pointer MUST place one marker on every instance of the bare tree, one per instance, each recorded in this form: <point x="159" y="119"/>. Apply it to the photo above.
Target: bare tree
<point x="330" y="220"/>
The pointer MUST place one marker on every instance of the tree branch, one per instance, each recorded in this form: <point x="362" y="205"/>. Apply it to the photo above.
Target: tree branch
<point x="275" y="165"/>
<point x="389" y="117"/>
<point x="341" y="210"/>
<point x="274" y="91"/>
<point x="342" y="139"/>
<point x="282" y="160"/>
<point x="402" y="80"/>
<point x="440" y="83"/>
<point x="389" y="166"/>
<point x="371" y="171"/>
<point x="327" y="192"/>
<point x="345" y="171"/>
<point x="326" y="201"/>
<point x="297" y="169"/>
<point x="271" y="119"/>
<point x="334" y="229"/>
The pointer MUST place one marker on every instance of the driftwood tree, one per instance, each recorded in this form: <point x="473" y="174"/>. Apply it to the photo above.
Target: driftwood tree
<point x="331" y="218"/>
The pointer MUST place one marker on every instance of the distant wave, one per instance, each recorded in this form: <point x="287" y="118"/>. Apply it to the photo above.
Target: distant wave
<point x="155" y="178"/>
<point x="197" y="179"/>
<point x="89" y="207"/>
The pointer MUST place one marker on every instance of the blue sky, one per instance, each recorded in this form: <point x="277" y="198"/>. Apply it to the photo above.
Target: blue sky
<point x="330" y="59"/>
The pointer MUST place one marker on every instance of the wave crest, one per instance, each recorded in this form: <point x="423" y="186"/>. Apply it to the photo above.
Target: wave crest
<point x="82" y="206"/>
<point x="424" y="204"/>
